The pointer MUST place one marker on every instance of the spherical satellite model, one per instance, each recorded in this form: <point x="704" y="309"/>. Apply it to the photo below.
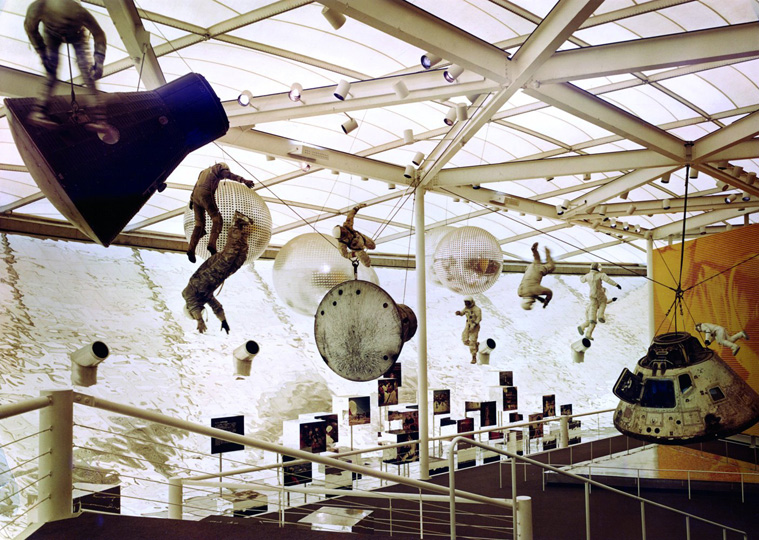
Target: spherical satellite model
<point x="360" y="330"/>
<point x="431" y="240"/>
<point x="308" y="266"/>
<point x="468" y="260"/>
<point x="230" y="197"/>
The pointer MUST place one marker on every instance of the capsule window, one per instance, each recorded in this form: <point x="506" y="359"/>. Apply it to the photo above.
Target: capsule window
<point x="716" y="393"/>
<point x="685" y="382"/>
<point x="658" y="394"/>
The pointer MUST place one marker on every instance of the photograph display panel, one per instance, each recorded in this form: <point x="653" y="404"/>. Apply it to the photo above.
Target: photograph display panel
<point x="331" y="430"/>
<point x="549" y="405"/>
<point x="359" y="411"/>
<point x="488" y="414"/>
<point x="387" y="392"/>
<point x="313" y="437"/>
<point x="441" y="401"/>
<point x="510" y="398"/>
<point x="565" y="410"/>
<point x="536" y="430"/>
<point x="506" y="378"/>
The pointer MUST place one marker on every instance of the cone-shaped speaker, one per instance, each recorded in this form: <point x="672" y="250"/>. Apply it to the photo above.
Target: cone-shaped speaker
<point x="100" y="187"/>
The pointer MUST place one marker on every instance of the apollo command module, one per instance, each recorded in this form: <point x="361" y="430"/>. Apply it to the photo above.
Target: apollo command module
<point x="682" y="392"/>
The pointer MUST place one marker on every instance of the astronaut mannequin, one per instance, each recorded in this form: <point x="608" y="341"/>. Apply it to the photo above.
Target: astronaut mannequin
<point x="715" y="332"/>
<point x="212" y="273"/>
<point x="473" y="316"/>
<point x="203" y="200"/>
<point x="65" y="21"/>
<point x="351" y="242"/>
<point x="596" y="309"/>
<point x="530" y="288"/>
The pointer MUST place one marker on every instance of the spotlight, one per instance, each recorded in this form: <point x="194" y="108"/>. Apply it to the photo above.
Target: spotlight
<point x="602" y="210"/>
<point x="565" y="204"/>
<point x="631" y="209"/>
<point x="731" y="198"/>
<point x="244" y="98"/>
<point x="400" y="89"/>
<point x="751" y="178"/>
<point x="408" y="173"/>
<point x="625" y="226"/>
<point x="305" y="166"/>
<point x="349" y="126"/>
<point x="418" y="158"/>
<point x="746" y="197"/>
<point x="586" y="176"/>
<point x="722" y="165"/>
<point x="722" y="185"/>
<point x="364" y="179"/>
<point x="391" y="186"/>
<point x="452" y="73"/>
<point x="549" y="178"/>
<point x="84" y="363"/>
<point x="637" y="229"/>
<point x="461" y="112"/>
<point x="335" y="172"/>
<point x="342" y="89"/>
<point x="737" y="170"/>
<point x="428" y="60"/>
<point x="475" y="186"/>
<point x="270" y="158"/>
<point x="613" y="223"/>
<point x="665" y="204"/>
<point x="334" y="18"/>
<point x="702" y="230"/>
<point x="665" y="178"/>
<point x="408" y="136"/>
<point x="693" y="173"/>
<point x="456" y="199"/>
<point x="450" y="116"/>
<point x="243" y="358"/>
<point x="538" y="218"/>
<point x="296" y="90"/>
<point x="483" y="355"/>
<point x="559" y="210"/>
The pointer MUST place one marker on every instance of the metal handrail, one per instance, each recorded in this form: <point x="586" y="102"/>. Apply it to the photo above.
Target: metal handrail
<point x="586" y="481"/>
<point x="25" y="406"/>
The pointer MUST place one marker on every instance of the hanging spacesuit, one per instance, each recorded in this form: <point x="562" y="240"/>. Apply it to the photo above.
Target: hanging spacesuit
<point x="471" y="331"/>
<point x="203" y="200"/>
<point x="596" y="310"/>
<point x="215" y="270"/>
<point x="352" y="244"/>
<point x="715" y="332"/>
<point x="65" y="21"/>
<point x="530" y="288"/>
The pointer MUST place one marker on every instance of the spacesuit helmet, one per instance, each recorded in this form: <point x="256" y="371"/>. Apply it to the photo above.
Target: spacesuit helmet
<point x="596" y="266"/>
<point x="468" y="300"/>
<point x="527" y="303"/>
<point x="223" y="166"/>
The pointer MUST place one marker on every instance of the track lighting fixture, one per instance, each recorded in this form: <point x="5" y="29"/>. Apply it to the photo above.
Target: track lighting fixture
<point x="409" y="172"/>
<point x="731" y="198"/>
<point x="751" y="178"/>
<point x="559" y="210"/>
<point x="244" y="98"/>
<point x="334" y="18"/>
<point x="364" y="179"/>
<point x="613" y="223"/>
<point x="428" y="60"/>
<point x="737" y="171"/>
<point x="391" y="186"/>
<point x="746" y="197"/>
<point x="475" y="186"/>
<point x="305" y="166"/>
<point x="665" y="204"/>
<point x="693" y="173"/>
<point x="349" y="125"/>
<point x="702" y="230"/>
<point x="625" y="226"/>
<point x="565" y="204"/>
<point x="722" y="165"/>
<point x="665" y="178"/>
<point x="586" y="176"/>
<point x="452" y="73"/>
<point x="341" y="92"/>
<point x="408" y="136"/>
<point x="450" y="117"/>
<point x="296" y="90"/>
<point x="722" y="185"/>
<point x="400" y="89"/>
<point x="538" y="218"/>
<point x="418" y="158"/>
<point x="549" y="178"/>
<point x="472" y="98"/>
<point x="602" y="210"/>
<point x="269" y="158"/>
<point x="461" y="112"/>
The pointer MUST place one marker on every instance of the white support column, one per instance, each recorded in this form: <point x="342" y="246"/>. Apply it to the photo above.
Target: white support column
<point x="175" y="498"/>
<point x="524" y="518"/>
<point x="650" y="274"/>
<point x="421" y="334"/>
<point x="56" y="461"/>
<point x="564" y="431"/>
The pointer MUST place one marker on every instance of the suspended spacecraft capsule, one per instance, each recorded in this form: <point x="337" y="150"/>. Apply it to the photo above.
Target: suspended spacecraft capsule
<point x="682" y="392"/>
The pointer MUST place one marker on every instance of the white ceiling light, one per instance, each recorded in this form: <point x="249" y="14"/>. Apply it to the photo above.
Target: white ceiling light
<point x="450" y="117"/>
<point x="665" y="204"/>
<point x="731" y="198"/>
<point x="341" y="92"/>
<point x="244" y="98"/>
<point x="400" y="89"/>
<point x="409" y="172"/>
<point x="349" y="125"/>
<point x="737" y="170"/>
<point x="408" y="136"/>
<point x="751" y="178"/>
<point x="305" y="166"/>
<point x="693" y="173"/>
<point x="296" y="90"/>
<point x="461" y="112"/>
<point x="452" y="73"/>
<point x="559" y="210"/>
<point x="665" y="178"/>
<point x="602" y="210"/>
<point x="334" y="18"/>
<point x="586" y="176"/>
<point x="746" y="197"/>
<point x="418" y="157"/>
<point x="428" y="60"/>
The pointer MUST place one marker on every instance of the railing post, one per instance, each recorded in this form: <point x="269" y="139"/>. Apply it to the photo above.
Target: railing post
<point x="642" y="520"/>
<point x="564" y="431"/>
<point x="452" y="487"/>
<point x="56" y="456"/>
<point x="523" y="505"/>
<point x="175" y="498"/>
<point x="587" y="511"/>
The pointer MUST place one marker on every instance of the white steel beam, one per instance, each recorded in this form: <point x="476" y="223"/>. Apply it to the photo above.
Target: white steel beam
<point x="137" y="41"/>
<point x="558" y="166"/>
<point x="676" y="206"/>
<point x="740" y="130"/>
<point x="29" y="199"/>
<point x="615" y="187"/>
<point x="413" y="25"/>
<point x="582" y="251"/>
<point x="593" y="109"/>
<point x="692" y="223"/>
<point x="731" y="42"/>
<point x="524" y="236"/>
<point x="448" y="221"/>
<point x="743" y="150"/>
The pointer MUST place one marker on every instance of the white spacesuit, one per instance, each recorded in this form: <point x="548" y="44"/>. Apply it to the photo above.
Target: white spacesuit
<point x="351" y="242"/>
<point x="471" y="331"/>
<point x="530" y="288"/>
<point x="596" y="309"/>
<point x="715" y="332"/>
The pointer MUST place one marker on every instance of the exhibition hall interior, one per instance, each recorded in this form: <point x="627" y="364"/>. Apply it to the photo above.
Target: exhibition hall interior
<point x="372" y="268"/>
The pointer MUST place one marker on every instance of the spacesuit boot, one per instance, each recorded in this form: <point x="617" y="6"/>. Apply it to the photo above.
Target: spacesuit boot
<point x="40" y="118"/>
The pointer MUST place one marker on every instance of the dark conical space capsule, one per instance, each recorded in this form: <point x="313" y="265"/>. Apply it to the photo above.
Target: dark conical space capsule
<point x="682" y="392"/>
<point x="99" y="187"/>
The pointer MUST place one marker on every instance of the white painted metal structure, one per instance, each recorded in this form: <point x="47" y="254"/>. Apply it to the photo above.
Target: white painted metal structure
<point x="602" y="97"/>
